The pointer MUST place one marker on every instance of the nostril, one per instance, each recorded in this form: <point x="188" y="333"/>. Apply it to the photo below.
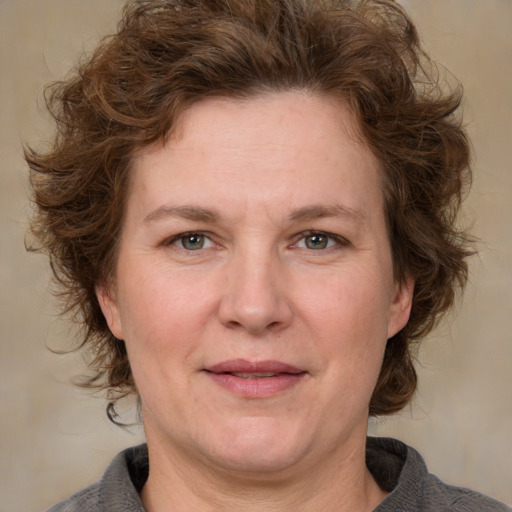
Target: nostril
<point x="232" y="324"/>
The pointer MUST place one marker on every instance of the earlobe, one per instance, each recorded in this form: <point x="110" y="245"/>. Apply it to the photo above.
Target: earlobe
<point x="401" y="307"/>
<point x="108" y="305"/>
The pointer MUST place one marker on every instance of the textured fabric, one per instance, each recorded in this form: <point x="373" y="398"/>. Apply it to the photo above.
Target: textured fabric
<point x="397" y="468"/>
<point x="118" y="490"/>
<point x="401" y="470"/>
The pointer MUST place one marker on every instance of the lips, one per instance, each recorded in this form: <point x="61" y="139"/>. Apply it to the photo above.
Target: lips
<point x="259" y="375"/>
<point x="248" y="367"/>
<point x="261" y="379"/>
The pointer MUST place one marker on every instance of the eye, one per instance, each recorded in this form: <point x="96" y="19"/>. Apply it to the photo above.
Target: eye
<point x="192" y="241"/>
<point x="318" y="241"/>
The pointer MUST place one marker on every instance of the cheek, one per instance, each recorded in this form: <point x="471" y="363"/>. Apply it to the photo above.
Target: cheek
<point x="168" y="318"/>
<point x="348" y="319"/>
<point x="350" y="302"/>
<point x="157" y="297"/>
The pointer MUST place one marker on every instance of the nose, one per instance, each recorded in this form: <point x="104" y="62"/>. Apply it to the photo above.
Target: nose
<point x="255" y="297"/>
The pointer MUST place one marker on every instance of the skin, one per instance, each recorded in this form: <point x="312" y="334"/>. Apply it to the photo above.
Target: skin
<point x="251" y="180"/>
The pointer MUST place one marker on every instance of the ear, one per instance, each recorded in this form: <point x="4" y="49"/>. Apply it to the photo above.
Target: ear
<point x="400" y="307"/>
<point x="108" y="304"/>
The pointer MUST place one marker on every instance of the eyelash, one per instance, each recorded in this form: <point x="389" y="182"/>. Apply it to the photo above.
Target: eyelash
<point x="183" y="236"/>
<point x="338" y="240"/>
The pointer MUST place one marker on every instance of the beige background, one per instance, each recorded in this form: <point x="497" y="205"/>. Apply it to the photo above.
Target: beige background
<point x="54" y="438"/>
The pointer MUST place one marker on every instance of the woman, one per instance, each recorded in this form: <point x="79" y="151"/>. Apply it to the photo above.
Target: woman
<point x="252" y="206"/>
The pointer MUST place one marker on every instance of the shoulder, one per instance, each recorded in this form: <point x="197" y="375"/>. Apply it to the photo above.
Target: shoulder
<point x="118" y="489"/>
<point x="86" y="499"/>
<point x="401" y="471"/>
<point x="458" y="499"/>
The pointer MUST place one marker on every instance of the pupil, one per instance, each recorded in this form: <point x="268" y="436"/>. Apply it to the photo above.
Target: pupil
<point x="193" y="242"/>
<point x="317" y="242"/>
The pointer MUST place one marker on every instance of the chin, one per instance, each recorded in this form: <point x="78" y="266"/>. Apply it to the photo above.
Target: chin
<point x="257" y="445"/>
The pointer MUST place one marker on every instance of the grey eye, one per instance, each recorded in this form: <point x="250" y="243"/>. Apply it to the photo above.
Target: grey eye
<point x="192" y="242"/>
<point x="316" y="241"/>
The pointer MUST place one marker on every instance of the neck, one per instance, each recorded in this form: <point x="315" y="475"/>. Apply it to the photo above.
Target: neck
<point x="340" y="483"/>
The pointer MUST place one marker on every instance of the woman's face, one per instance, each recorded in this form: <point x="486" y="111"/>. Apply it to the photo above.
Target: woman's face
<point x="254" y="286"/>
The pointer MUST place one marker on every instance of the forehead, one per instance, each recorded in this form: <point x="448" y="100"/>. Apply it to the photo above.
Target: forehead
<point x="289" y="146"/>
<point x="276" y="120"/>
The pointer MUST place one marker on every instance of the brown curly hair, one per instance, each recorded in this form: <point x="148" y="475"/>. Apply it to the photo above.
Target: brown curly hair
<point x="170" y="54"/>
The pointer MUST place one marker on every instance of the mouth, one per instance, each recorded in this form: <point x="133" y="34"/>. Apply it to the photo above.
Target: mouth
<point x="264" y="368"/>
<point x="261" y="375"/>
<point x="248" y="379"/>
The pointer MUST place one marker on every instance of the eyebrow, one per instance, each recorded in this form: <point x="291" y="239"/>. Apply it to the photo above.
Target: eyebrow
<point x="320" y="211"/>
<point x="305" y="213"/>
<point x="188" y="212"/>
